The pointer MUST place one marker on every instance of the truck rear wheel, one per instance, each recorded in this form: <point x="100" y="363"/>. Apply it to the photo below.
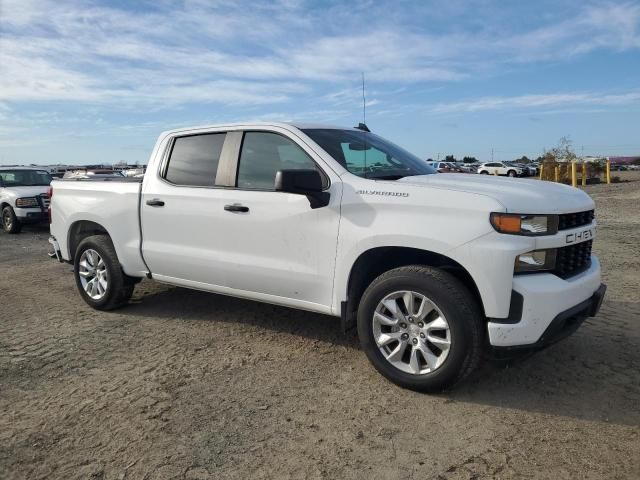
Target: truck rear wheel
<point x="99" y="277"/>
<point x="10" y="222"/>
<point x="421" y="328"/>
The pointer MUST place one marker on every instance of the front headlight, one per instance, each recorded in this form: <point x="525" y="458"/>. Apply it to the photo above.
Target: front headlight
<point x="27" y="202"/>
<point x="517" y="224"/>
<point x="536" y="261"/>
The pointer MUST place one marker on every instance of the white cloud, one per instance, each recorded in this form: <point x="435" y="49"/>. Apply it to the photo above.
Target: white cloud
<point x="241" y="53"/>
<point x="536" y="101"/>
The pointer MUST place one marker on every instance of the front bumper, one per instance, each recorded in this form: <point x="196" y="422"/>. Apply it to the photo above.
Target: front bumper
<point x="563" y="325"/>
<point x="31" y="215"/>
<point x="544" y="305"/>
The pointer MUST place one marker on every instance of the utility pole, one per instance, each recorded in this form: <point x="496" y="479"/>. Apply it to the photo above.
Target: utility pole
<point x="438" y="156"/>
<point x="492" y="154"/>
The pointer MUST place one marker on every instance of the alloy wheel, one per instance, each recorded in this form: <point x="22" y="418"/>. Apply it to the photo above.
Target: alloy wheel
<point x="93" y="273"/>
<point x="411" y="332"/>
<point x="8" y="221"/>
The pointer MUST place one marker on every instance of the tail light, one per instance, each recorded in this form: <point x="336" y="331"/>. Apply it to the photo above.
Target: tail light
<point x="50" y="195"/>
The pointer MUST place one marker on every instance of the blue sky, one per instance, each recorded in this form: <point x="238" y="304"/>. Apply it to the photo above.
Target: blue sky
<point x="93" y="82"/>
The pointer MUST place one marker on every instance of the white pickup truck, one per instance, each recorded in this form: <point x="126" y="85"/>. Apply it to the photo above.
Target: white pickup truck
<point x="432" y="269"/>
<point x="23" y="197"/>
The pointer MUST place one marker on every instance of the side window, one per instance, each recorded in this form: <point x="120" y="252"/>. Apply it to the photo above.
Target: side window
<point x="263" y="154"/>
<point x="194" y="160"/>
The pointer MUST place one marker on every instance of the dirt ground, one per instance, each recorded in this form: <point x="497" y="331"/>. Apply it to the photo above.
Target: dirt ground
<point x="188" y="385"/>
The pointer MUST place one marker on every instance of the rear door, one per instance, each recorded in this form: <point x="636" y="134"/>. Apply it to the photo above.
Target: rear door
<point x="182" y="210"/>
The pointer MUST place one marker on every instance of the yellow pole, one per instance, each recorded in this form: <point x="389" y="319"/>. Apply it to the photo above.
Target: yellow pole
<point x="541" y="167"/>
<point x="574" y="179"/>
<point x="557" y="173"/>
<point x="584" y="174"/>
<point x="608" y="171"/>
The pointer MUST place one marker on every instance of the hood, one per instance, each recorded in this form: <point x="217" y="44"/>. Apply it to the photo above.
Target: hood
<point x="19" y="192"/>
<point x="515" y="194"/>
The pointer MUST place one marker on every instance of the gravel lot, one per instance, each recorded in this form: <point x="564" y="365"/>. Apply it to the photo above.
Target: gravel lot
<point x="184" y="384"/>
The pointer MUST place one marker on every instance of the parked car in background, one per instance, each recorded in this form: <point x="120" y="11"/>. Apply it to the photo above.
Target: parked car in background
<point x="501" y="168"/>
<point x="527" y="170"/>
<point x="133" y="172"/>
<point x="101" y="173"/>
<point x="468" y="167"/>
<point x="430" y="268"/>
<point x="23" y="197"/>
<point x="445" y="167"/>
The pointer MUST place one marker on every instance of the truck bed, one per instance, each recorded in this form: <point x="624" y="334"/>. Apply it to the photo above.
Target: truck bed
<point x="112" y="203"/>
<point x="103" y="179"/>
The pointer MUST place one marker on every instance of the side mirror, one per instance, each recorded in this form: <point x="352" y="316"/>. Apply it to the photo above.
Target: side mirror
<point x="303" y="182"/>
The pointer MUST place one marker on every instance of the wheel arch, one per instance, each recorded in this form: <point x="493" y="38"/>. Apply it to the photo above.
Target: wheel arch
<point x="375" y="261"/>
<point x="79" y="230"/>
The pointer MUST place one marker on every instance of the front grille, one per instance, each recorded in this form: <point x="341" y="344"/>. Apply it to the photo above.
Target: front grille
<point x="44" y="201"/>
<point x="573" y="259"/>
<point x="574" y="220"/>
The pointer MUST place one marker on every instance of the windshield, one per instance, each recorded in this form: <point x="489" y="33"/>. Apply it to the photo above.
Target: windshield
<point x="368" y="155"/>
<point x="25" y="178"/>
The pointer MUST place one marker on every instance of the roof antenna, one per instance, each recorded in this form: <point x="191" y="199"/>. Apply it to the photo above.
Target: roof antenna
<point x="363" y="125"/>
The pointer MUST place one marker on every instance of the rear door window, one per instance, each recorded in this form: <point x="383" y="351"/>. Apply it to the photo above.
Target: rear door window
<point x="194" y="160"/>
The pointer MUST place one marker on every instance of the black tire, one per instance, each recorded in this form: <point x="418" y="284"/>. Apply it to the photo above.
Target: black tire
<point x="511" y="173"/>
<point x="484" y="172"/>
<point x="456" y="303"/>
<point x="120" y="286"/>
<point x="10" y="222"/>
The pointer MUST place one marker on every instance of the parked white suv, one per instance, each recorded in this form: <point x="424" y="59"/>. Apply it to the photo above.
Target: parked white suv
<point x="431" y="268"/>
<point x="23" y="197"/>
<point x="500" y="169"/>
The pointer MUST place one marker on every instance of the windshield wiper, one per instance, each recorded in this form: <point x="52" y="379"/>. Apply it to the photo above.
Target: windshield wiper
<point x="386" y="177"/>
<point x="393" y="177"/>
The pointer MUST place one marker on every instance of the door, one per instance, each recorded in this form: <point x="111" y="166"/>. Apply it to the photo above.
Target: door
<point x="182" y="212"/>
<point x="275" y="244"/>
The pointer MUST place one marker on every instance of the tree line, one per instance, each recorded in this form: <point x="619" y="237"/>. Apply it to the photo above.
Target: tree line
<point x="563" y="151"/>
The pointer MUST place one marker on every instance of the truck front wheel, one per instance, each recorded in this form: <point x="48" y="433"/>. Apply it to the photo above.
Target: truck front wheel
<point x="10" y="222"/>
<point x="99" y="277"/>
<point x="421" y="328"/>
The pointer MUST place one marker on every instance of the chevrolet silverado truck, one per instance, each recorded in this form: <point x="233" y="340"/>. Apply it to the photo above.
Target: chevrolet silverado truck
<point x="23" y="197"/>
<point x="432" y="269"/>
